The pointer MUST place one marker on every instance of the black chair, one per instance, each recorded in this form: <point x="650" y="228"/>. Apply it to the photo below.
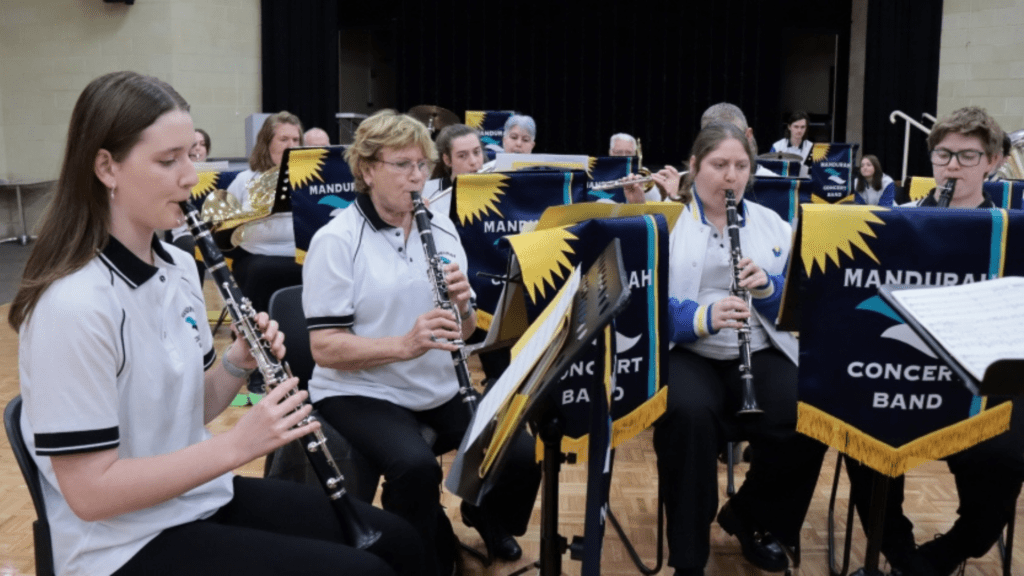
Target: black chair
<point x="41" y="527"/>
<point x="289" y="462"/>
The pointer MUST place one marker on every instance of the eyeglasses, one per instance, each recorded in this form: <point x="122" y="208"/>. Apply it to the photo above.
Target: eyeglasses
<point x="406" y="166"/>
<point x="966" y="158"/>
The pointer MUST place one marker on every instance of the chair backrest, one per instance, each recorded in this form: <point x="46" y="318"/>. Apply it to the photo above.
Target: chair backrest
<point x="41" y="527"/>
<point x="286" y="307"/>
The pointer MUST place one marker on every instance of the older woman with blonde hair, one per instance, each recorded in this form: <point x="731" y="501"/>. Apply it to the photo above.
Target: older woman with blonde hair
<point x="383" y="349"/>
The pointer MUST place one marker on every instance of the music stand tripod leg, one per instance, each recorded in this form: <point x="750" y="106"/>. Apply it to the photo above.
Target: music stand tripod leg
<point x="879" y="497"/>
<point x="630" y="548"/>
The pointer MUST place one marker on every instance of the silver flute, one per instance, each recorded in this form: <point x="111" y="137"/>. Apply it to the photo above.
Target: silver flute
<point x="749" y="406"/>
<point x="356" y="532"/>
<point x="435" y="274"/>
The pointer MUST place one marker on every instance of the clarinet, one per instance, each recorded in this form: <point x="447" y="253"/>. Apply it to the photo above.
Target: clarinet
<point x="356" y="532"/>
<point x="946" y="195"/>
<point x="749" y="406"/>
<point x="435" y="275"/>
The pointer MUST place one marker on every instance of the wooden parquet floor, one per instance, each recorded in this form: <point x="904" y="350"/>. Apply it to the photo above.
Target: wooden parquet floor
<point x="931" y="502"/>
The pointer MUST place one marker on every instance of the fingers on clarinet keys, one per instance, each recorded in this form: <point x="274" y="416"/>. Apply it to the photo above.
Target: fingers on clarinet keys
<point x="760" y="549"/>
<point x="499" y="543"/>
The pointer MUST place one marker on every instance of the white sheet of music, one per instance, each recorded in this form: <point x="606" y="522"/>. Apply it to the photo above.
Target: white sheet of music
<point x="976" y="323"/>
<point x="537" y="342"/>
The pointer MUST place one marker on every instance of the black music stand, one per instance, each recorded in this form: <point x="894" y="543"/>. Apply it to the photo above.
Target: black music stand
<point x="602" y="294"/>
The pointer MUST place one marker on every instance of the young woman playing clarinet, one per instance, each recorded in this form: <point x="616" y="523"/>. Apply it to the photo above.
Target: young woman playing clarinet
<point x="708" y="361"/>
<point x="966" y="148"/>
<point x="118" y="376"/>
<point x="384" y="352"/>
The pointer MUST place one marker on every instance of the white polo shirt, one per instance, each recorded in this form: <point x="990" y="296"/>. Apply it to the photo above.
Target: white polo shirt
<point x="363" y="274"/>
<point x="784" y="146"/>
<point x="113" y="357"/>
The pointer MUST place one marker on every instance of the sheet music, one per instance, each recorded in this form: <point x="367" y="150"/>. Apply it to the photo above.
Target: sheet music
<point x="534" y="343"/>
<point x="976" y="323"/>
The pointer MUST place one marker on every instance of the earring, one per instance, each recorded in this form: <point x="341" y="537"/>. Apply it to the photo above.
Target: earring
<point x="112" y="192"/>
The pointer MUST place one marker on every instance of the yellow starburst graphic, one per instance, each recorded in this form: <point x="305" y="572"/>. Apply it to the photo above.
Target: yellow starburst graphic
<point x="920" y="186"/>
<point x="475" y="118"/>
<point x="479" y="195"/>
<point x="827" y="230"/>
<point x="815" y="199"/>
<point x="591" y="162"/>
<point x="819" y="152"/>
<point x="207" y="180"/>
<point x="304" y="165"/>
<point x="542" y="258"/>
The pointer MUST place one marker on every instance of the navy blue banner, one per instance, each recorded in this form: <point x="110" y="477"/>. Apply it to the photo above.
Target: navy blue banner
<point x="320" y="184"/>
<point x="831" y="166"/>
<point x="547" y="257"/>
<point x="208" y="182"/>
<point x="490" y="124"/>
<point x="1005" y="194"/>
<point x="785" y="195"/>
<point x="784" y="168"/>
<point x="868" y="385"/>
<point x="492" y="205"/>
<point x="608" y="168"/>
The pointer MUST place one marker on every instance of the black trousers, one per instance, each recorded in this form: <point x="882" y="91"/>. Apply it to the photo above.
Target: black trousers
<point x="260" y="276"/>
<point x="703" y="398"/>
<point x="389" y="437"/>
<point x="272" y="527"/>
<point x="988" y="480"/>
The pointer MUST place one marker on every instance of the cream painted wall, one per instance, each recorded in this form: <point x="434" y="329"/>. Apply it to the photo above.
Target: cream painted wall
<point x="982" y="59"/>
<point x="209" y="50"/>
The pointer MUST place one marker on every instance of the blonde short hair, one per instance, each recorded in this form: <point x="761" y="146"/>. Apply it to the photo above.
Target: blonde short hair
<point x="385" y="129"/>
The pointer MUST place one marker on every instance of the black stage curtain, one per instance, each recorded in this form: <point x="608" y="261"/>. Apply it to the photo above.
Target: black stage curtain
<point x="584" y="74"/>
<point x="300" y="61"/>
<point x="902" y="73"/>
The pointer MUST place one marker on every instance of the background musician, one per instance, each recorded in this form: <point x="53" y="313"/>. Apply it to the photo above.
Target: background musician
<point x="266" y="261"/>
<point x="316" y="137"/>
<point x="384" y="365"/>
<point x="794" y="142"/>
<point x="704" y="383"/>
<point x="622" y="144"/>
<point x="520" y="135"/>
<point x="201" y="147"/>
<point x="115" y="407"/>
<point x="459" y="148"/>
<point x="966" y="146"/>
<point x="872" y="186"/>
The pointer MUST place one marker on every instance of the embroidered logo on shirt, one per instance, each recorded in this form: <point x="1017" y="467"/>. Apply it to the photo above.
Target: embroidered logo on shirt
<point x="777" y="251"/>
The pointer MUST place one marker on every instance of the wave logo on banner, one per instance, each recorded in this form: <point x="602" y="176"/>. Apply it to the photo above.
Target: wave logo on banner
<point x="872" y="389"/>
<point x="831" y="166"/>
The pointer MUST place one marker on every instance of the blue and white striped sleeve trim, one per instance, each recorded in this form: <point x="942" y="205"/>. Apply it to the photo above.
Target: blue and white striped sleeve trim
<point x="324" y="322"/>
<point x="690" y="321"/>
<point x="768" y="298"/>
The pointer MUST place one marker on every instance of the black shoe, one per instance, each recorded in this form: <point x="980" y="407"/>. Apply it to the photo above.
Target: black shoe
<point x="499" y="543"/>
<point x="760" y="549"/>
<point x="942" y="556"/>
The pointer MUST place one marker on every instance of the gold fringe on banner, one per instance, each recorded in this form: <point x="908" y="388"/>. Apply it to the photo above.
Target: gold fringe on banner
<point x="895" y="462"/>
<point x="623" y="429"/>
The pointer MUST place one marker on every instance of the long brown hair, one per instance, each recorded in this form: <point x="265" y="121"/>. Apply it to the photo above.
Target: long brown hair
<point x="444" y="146"/>
<point x="259" y="159"/>
<point x="110" y="114"/>
<point x="876" y="178"/>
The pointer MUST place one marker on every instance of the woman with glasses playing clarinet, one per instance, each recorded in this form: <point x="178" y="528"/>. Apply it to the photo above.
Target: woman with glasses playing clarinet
<point x="118" y="376"/>
<point x="966" y="147"/>
<point x="384" y="350"/>
<point x="707" y="365"/>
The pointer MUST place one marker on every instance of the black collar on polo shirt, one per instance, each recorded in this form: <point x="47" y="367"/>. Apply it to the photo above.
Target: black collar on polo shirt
<point x="127" y="265"/>
<point x="369" y="211"/>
